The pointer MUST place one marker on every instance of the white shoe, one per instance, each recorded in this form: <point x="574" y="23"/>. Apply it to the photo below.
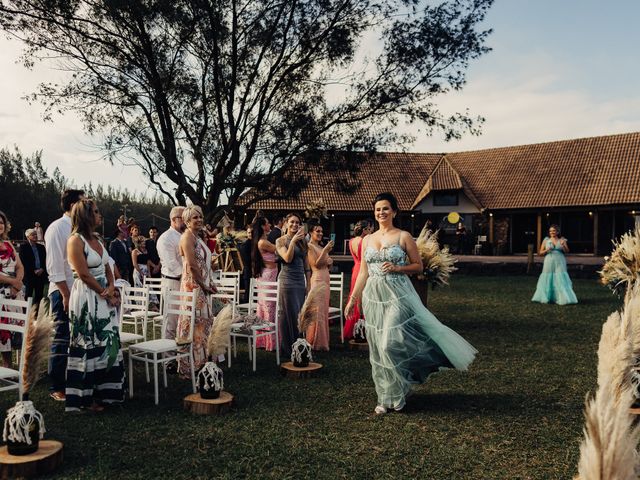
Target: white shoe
<point x="380" y="410"/>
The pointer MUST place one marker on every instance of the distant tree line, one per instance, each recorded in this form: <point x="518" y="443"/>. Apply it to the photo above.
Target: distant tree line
<point x="29" y="194"/>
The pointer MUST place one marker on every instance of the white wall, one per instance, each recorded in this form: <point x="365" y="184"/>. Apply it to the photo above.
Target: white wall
<point x="464" y="205"/>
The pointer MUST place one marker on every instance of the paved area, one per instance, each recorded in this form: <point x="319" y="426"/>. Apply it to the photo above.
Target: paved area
<point x="510" y="259"/>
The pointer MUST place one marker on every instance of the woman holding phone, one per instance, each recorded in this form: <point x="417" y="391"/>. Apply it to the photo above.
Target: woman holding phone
<point x="293" y="281"/>
<point x="320" y="261"/>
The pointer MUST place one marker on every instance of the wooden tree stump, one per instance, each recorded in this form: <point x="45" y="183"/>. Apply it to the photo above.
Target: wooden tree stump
<point x="45" y="460"/>
<point x="353" y="345"/>
<point x="289" y="370"/>
<point x="194" y="403"/>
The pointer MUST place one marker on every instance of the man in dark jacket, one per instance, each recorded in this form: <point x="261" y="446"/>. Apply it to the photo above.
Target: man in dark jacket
<point x="34" y="259"/>
<point x="119" y="251"/>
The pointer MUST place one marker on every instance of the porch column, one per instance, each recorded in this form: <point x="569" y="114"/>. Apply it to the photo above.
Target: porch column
<point x="491" y="228"/>
<point x="538" y="232"/>
<point x="595" y="232"/>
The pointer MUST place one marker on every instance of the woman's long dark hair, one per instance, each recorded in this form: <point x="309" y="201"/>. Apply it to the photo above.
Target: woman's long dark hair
<point x="393" y="201"/>
<point x="257" y="263"/>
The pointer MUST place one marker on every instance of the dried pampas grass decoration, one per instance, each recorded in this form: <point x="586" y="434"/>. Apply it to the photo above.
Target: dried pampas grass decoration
<point x="37" y="345"/>
<point x="622" y="268"/>
<point x="309" y="312"/>
<point x="608" y="450"/>
<point x="218" y="340"/>
<point x="437" y="263"/>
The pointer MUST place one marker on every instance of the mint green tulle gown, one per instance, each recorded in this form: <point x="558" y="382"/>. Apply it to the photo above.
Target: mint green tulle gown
<point x="406" y="341"/>
<point x="554" y="284"/>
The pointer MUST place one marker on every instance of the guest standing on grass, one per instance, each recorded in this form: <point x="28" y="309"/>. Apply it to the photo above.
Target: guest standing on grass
<point x="140" y="260"/>
<point x="406" y="341"/>
<point x="554" y="284"/>
<point x="361" y="230"/>
<point x="60" y="283"/>
<point x="264" y="268"/>
<point x="119" y="251"/>
<point x="293" y="281"/>
<point x="196" y="276"/>
<point x="34" y="260"/>
<point x="11" y="275"/>
<point x="152" y="249"/>
<point x="171" y="261"/>
<point x="320" y="262"/>
<point x="95" y="373"/>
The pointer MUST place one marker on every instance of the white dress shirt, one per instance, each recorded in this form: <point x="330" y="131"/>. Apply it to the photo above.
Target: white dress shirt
<point x="169" y="252"/>
<point x="58" y="267"/>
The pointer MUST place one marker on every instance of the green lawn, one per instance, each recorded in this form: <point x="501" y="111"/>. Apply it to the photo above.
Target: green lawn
<point x="517" y="414"/>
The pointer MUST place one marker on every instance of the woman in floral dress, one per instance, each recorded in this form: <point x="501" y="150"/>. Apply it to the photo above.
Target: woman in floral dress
<point x="196" y="261"/>
<point x="11" y="274"/>
<point x="95" y="373"/>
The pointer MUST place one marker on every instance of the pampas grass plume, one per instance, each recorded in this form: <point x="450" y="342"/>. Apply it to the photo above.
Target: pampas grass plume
<point x="38" y="343"/>
<point x="218" y="340"/>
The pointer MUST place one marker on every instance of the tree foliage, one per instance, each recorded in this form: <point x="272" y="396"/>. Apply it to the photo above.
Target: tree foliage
<point x="29" y="194"/>
<point x="211" y="97"/>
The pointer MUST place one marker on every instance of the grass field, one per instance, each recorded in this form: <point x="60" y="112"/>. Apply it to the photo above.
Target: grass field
<point x="517" y="414"/>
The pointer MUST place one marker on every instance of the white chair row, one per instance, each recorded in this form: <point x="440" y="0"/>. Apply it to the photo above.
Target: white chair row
<point x="18" y="316"/>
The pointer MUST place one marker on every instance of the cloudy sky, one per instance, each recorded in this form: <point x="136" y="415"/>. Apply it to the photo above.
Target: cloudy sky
<point x="558" y="69"/>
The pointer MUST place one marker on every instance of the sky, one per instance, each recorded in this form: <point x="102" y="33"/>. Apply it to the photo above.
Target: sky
<point x="559" y="69"/>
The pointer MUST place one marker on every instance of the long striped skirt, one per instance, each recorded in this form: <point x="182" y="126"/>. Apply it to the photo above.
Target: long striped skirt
<point x="95" y="371"/>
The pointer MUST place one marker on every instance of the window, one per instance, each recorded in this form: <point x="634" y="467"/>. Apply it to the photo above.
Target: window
<point x="445" y="199"/>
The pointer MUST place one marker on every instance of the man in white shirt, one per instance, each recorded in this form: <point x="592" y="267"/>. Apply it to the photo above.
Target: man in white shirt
<point x="169" y="252"/>
<point x="60" y="283"/>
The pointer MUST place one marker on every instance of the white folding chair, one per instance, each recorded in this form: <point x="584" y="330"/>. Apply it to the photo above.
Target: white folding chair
<point x="336" y="284"/>
<point x="155" y="292"/>
<point x="245" y="308"/>
<point x="135" y="308"/>
<point x="265" y="292"/>
<point x="165" y="350"/>
<point x="236" y="277"/>
<point x="16" y="313"/>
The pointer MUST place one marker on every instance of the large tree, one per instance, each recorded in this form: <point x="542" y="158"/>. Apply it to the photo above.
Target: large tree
<point x="211" y="97"/>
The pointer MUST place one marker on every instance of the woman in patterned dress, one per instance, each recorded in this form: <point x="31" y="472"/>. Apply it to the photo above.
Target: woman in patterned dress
<point x="196" y="261"/>
<point x="95" y="373"/>
<point x="11" y="274"/>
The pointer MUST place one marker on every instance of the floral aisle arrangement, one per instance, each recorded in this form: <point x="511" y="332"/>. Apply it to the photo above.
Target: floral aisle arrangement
<point x="24" y="426"/>
<point x="316" y="209"/>
<point x="210" y="377"/>
<point x="611" y="436"/>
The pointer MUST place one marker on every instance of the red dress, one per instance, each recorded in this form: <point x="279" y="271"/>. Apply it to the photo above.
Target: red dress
<point x="355" y="315"/>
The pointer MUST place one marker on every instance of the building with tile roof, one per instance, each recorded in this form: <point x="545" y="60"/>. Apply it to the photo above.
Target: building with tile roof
<point x="590" y="187"/>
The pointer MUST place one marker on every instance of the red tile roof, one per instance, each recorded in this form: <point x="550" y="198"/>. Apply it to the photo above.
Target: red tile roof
<point x="586" y="171"/>
<point x="402" y="174"/>
<point x="581" y="172"/>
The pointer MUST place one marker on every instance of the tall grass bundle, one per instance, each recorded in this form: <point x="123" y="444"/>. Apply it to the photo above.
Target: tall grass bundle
<point x="309" y="312"/>
<point x="622" y="269"/>
<point x="437" y="263"/>
<point x="38" y="344"/>
<point x="615" y="352"/>
<point x="608" y="451"/>
<point x="218" y="340"/>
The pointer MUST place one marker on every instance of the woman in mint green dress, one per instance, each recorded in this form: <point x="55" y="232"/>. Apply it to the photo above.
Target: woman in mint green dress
<point x="554" y="284"/>
<point x="406" y="341"/>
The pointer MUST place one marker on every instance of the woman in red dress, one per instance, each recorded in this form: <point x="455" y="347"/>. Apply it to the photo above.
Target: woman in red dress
<point x="362" y="229"/>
